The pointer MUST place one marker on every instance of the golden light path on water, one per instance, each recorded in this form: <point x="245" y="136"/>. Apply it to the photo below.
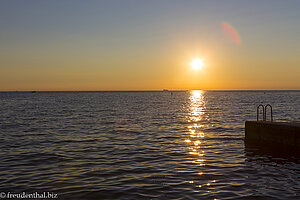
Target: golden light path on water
<point x="196" y="136"/>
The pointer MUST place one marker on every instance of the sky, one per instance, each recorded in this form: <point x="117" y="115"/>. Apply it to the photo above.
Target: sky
<point x="68" y="45"/>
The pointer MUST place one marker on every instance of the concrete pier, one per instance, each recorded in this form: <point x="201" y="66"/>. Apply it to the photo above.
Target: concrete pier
<point x="274" y="134"/>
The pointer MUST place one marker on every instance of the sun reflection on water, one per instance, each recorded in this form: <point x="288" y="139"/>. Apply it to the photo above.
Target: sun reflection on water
<point x="196" y="135"/>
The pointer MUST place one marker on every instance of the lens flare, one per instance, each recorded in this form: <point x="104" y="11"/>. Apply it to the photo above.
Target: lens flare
<point x="231" y="33"/>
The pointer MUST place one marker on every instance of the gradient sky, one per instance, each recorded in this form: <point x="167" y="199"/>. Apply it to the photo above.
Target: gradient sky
<point x="148" y="45"/>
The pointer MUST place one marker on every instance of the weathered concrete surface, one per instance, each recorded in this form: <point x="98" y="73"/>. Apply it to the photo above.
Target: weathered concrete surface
<point x="275" y="134"/>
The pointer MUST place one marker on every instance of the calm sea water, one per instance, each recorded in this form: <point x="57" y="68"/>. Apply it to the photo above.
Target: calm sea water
<point x="143" y="145"/>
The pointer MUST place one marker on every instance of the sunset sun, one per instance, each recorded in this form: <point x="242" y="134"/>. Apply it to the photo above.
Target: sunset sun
<point x="197" y="64"/>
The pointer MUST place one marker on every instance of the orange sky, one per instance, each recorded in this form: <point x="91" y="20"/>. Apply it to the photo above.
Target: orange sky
<point x="149" y="46"/>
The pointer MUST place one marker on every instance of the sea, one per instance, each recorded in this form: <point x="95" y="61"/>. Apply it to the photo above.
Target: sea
<point x="142" y="145"/>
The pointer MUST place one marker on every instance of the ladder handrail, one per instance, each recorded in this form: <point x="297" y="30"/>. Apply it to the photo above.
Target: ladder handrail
<point x="268" y="105"/>
<point x="264" y="109"/>
<point x="257" y="112"/>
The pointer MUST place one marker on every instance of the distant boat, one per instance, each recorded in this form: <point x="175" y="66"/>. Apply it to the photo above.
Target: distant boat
<point x="33" y="92"/>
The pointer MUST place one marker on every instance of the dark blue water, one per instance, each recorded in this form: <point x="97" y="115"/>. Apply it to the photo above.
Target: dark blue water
<point x="143" y="145"/>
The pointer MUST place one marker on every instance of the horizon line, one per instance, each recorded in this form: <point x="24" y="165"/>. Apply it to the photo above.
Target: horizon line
<point x="151" y="90"/>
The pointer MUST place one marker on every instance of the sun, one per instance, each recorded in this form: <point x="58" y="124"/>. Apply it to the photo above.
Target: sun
<point x="197" y="64"/>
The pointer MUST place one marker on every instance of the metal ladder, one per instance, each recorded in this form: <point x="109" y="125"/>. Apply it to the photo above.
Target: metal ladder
<point x="264" y="109"/>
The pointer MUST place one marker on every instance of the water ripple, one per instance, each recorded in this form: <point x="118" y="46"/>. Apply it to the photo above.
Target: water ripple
<point x="150" y="145"/>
